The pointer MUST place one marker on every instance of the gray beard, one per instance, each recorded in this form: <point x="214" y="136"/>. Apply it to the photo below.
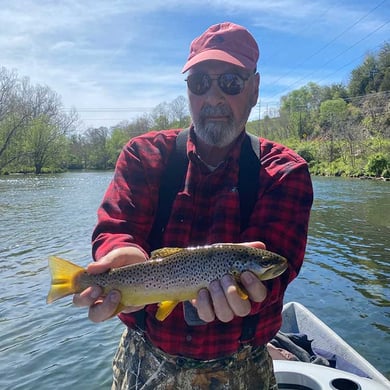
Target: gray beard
<point x="216" y="133"/>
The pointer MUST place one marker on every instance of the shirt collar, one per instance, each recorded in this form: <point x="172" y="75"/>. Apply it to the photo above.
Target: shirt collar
<point x="233" y="154"/>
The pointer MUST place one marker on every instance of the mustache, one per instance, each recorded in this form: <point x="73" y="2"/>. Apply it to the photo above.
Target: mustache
<point x="219" y="110"/>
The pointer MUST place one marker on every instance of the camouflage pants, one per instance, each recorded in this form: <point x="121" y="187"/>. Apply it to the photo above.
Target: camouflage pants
<point x="140" y="366"/>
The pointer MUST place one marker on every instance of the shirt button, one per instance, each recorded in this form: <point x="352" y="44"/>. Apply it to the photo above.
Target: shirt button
<point x="188" y="337"/>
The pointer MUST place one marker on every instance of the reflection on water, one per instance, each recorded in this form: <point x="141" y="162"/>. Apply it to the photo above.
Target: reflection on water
<point x="42" y="346"/>
<point x="344" y="279"/>
<point x="351" y="237"/>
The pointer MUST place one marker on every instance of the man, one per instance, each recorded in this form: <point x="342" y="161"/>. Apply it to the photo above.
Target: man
<point x="219" y="341"/>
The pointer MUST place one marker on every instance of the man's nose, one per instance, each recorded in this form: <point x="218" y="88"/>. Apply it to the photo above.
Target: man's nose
<point x="214" y="94"/>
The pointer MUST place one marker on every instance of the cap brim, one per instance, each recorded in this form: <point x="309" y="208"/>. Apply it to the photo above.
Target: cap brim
<point x="217" y="55"/>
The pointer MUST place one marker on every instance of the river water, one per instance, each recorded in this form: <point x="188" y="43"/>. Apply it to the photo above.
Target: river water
<point x="344" y="281"/>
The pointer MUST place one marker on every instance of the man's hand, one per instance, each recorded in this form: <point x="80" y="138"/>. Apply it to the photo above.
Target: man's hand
<point x="222" y="300"/>
<point x="102" y="307"/>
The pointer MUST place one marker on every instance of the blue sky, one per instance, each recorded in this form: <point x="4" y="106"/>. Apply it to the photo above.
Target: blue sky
<point x="115" y="60"/>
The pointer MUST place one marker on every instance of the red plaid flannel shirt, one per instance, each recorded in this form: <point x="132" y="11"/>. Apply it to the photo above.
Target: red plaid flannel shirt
<point x="206" y="212"/>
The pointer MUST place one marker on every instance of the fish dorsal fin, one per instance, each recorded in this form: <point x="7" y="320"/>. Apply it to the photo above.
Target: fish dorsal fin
<point x="164" y="252"/>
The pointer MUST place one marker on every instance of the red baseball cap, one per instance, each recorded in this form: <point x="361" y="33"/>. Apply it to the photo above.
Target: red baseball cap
<point x="227" y="42"/>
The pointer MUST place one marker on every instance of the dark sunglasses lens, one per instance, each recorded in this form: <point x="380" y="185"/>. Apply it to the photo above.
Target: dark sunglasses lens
<point x="199" y="83"/>
<point x="230" y="83"/>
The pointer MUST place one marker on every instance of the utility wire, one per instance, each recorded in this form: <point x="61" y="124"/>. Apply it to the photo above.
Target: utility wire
<point x="110" y="109"/>
<point x="332" y="41"/>
<point x="328" y="44"/>
<point x="339" y="55"/>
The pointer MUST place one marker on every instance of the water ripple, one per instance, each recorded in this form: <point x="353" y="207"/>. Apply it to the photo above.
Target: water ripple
<point x="345" y="275"/>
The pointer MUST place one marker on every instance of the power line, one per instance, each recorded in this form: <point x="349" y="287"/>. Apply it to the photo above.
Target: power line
<point x="350" y="47"/>
<point x="329" y="43"/>
<point x="332" y="59"/>
<point x="109" y="109"/>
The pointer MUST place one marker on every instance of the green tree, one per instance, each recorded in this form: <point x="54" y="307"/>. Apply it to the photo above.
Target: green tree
<point x="375" y="109"/>
<point x="44" y="135"/>
<point x="138" y="126"/>
<point x="161" y="116"/>
<point x="77" y="157"/>
<point x="179" y="113"/>
<point x="332" y="116"/>
<point x="44" y="144"/>
<point x="15" y="112"/>
<point x="373" y="75"/>
<point x="301" y="107"/>
<point x="32" y="123"/>
<point x="97" y="148"/>
<point x="332" y="113"/>
<point x="115" y="143"/>
<point x="362" y="78"/>
<point x="171" y="115"/>
<point x="383" y="75"/>
<point x="378" y="164"/>
<point x="334" y="91"/>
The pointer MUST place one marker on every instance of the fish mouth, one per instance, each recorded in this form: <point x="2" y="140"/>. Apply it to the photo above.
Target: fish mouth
<point x="274" y="271"/>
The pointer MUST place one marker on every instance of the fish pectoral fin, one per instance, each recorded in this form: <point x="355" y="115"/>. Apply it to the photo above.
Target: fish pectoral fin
<point x="164" y="252"/>
<point x="165" y="309"/>
<point x="241" y="292"/>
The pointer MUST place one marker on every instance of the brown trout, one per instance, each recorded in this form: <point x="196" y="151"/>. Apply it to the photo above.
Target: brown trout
<point x="170" y="276"/>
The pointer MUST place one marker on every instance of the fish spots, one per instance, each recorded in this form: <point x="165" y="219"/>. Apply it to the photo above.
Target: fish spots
<point x="185" y="271"/>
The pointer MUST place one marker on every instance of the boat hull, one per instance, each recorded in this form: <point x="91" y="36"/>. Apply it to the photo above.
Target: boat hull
<point x="298" y="319"/>
<point x="308" y="376"/>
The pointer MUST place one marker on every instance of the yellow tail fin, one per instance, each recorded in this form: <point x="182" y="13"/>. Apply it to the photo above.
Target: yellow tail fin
<point x="63" y="275"/>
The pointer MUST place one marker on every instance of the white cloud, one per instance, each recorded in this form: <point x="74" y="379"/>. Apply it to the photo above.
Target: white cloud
<point x="118" y="54"/>
<point x="63" y="46"/>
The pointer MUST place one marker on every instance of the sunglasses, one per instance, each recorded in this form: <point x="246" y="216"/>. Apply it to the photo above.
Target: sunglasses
<point x="229" y="83"/>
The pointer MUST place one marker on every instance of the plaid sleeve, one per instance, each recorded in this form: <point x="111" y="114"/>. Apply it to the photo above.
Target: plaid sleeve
<point x="281" y="215"/>
<point x="126" y="213"/>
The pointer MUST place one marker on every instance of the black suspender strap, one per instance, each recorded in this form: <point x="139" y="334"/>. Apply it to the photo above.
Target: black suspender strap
<point x="248" y="184"/>
<point x="248" y="179"/>
<point x="171" y="182"/>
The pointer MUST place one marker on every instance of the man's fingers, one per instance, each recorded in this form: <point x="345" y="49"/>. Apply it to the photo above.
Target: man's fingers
<point x="106" y="308"/>
<point x="100" y="308"/>
<point x="255" y="244"/>
<point x="222" y="299"/>
<point x="98" y="267"/>
<point x="255" y="288"/>
<point x="117" y="258"/>
<point x="87" y="297"/>
<point x="204" y="306"/>
<point x="240" y="307"/>
<point x="222" y="308"/>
